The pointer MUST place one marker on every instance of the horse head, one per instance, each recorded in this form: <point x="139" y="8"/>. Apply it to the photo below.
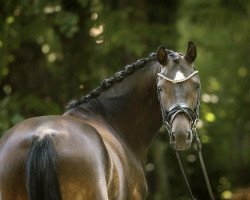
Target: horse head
<point x="178" y="88"/>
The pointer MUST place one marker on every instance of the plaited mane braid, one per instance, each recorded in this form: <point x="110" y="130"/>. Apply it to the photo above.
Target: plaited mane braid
<point x="107" y="83"/>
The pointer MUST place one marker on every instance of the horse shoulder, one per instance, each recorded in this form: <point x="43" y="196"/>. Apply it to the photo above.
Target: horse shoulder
<point x="125" y="176"/>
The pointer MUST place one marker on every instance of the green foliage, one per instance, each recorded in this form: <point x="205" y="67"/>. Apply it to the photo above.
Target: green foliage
<point x="67" y="23"/>
<point x="9" y="113"/>
<point x="52" y="51"/>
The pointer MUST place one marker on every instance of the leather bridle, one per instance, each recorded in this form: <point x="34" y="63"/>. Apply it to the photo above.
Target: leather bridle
<point x="193" y="115"/>
<point x="169" y="115"/>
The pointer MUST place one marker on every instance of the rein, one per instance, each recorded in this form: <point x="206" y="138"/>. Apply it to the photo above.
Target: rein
<point x="203" y="167"/>
<point x="193" y="115"/>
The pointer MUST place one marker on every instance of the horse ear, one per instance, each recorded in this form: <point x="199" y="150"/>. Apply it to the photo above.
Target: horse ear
<point x="162" y="55"/>
<point x="191" y="52"/>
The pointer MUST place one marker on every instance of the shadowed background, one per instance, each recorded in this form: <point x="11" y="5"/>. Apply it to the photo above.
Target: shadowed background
<point x="53" y="51"/>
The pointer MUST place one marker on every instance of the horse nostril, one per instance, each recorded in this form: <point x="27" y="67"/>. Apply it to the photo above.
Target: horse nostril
<point x="172" y="138"/>
<point x="189" y="137"/>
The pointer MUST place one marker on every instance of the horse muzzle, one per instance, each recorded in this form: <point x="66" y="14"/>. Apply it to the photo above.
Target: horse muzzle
<point x="181" y="140"/>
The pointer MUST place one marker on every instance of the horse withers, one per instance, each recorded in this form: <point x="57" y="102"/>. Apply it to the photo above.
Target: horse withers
<point x="97" y="149"/>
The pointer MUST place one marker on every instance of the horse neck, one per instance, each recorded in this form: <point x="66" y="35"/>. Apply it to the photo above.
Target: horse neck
<point x="132" y="108"/>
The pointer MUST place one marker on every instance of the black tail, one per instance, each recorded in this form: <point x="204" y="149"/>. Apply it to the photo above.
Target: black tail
<point x="41" y="176"/>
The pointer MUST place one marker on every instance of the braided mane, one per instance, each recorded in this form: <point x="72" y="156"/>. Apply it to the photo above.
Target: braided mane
<point x="107" y="83"/>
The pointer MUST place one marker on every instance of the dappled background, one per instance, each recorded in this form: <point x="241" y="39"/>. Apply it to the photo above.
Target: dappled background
<point x="53" y="51"/>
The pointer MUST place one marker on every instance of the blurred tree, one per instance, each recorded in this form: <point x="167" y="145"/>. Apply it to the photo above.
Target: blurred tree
<point x="221" y="29"/>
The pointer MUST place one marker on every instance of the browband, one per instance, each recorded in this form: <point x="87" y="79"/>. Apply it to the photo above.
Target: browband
<point x="177" y="81"/>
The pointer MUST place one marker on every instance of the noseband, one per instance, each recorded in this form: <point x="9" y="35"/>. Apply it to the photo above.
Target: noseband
<point x="169" y="116"/>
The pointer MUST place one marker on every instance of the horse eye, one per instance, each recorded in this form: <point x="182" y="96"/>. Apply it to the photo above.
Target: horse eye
<point x="160" y="89"/>
<point x="197" y="86"/>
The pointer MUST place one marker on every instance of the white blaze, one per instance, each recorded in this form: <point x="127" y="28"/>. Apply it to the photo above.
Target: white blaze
<point x="179" y="76"/>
